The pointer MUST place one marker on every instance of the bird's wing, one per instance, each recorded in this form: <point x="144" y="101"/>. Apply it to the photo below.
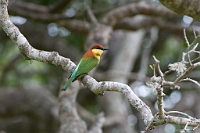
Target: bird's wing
<point x="85" y="65"/>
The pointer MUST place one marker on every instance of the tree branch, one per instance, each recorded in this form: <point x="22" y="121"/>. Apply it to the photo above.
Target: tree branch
<point x="70" y="120"/>
<point x="113" y="16"/>
<point x="57" y="7"/>
<point x="28" y="7"/>
<point x="142" y="7"/>
<point x="179" y="120"/>
<point x="26" y="49"/>
<point x="76" y="25"/>
<point x="184" y="7"/>
<point x="100" y="87"/>
<point x="159" y="82"/>
<point x="91" y="16"/>
<point x="53" y="57"/>
<point x="139" y="22"/>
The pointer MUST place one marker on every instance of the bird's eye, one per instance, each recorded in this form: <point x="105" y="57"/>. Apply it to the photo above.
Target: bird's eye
<point x="99" y="48"/>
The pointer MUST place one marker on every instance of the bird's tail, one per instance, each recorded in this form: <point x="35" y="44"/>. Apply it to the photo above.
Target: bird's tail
<point x="67" y="83"/>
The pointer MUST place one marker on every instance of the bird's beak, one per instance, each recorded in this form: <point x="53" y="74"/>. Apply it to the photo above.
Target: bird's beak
<point x="105" y="49"/>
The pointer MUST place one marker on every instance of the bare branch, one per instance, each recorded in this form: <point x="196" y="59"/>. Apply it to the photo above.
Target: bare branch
<point x="101" y="87"/>
<point x="160" y="96"/>
<point x="70" y="120"/>
<point x="182" y="121"/>
<point x="178" y="113"/>
<point x="43" y="13"/>
<point x="76" y="25"/>
<point x="139" y="22"/>
<point x="184" y="7"/>
<point x="28" y="7"/>
<point x="182" y="76"/>
<point x="53" y="57"/>
<point x="113" y="16"/>
<point x="189" y="70"/>
<point x="57" y="7"/>
<point x="26" y="49"/>
<point x="142" y="7"/>
<point x="91" y="16"/>
<point x="158" y="65"/>
<point x="177" y="120"/>
<point x="195" y="35"/>
<point x="191" y="80"/>
<point x="185" y="36"/>
<point x="159" y="90"/>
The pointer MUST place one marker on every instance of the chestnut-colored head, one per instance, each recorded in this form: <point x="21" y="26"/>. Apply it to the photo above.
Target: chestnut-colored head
<point x="95" y="50"/>
<point x="97" y="46"/>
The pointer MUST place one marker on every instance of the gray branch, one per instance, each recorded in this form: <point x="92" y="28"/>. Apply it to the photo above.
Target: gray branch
<point x="31" y="53"/>
<point x="184" y="7"/>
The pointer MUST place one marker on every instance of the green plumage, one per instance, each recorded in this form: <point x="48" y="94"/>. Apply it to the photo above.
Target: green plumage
<point x="84" y="66"/>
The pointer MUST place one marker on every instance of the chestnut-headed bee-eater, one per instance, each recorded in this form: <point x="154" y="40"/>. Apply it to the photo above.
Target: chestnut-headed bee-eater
<point x="89" y="60"/>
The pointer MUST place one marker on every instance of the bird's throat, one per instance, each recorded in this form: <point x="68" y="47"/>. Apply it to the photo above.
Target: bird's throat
<point x="97" y="53"/>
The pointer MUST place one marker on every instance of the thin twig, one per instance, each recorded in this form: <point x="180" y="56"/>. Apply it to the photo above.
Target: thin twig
<point x="185" y="36"/>
<point x="179" y="113"/>
<point x="195" y="34"/>
<point x="195" y="127"/>
<point x="167" y="72"/>
<point x="185" y="128"/>
<point x="182" y="76"/>
<point x="159" y="69"/>
<point x="191" y="80"/>
<point x="91" y="16"/>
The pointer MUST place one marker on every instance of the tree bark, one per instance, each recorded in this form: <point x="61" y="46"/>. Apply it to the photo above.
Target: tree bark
<point x="184" y="7"/>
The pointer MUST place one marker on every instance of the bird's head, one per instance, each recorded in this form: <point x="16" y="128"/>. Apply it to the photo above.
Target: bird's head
<point x="97" y="50"/>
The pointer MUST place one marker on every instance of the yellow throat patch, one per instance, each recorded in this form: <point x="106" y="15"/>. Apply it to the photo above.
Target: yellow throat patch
<point x="97" y="53"/>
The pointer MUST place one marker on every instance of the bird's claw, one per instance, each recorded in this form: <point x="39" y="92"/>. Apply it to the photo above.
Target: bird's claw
<point x="63" y="89"/>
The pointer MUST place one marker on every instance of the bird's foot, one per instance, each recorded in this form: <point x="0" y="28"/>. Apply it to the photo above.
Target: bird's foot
<point x="63" y="89"/>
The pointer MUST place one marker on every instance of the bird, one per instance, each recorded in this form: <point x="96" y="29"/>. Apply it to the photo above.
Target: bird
<point x="89" y="60"/>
